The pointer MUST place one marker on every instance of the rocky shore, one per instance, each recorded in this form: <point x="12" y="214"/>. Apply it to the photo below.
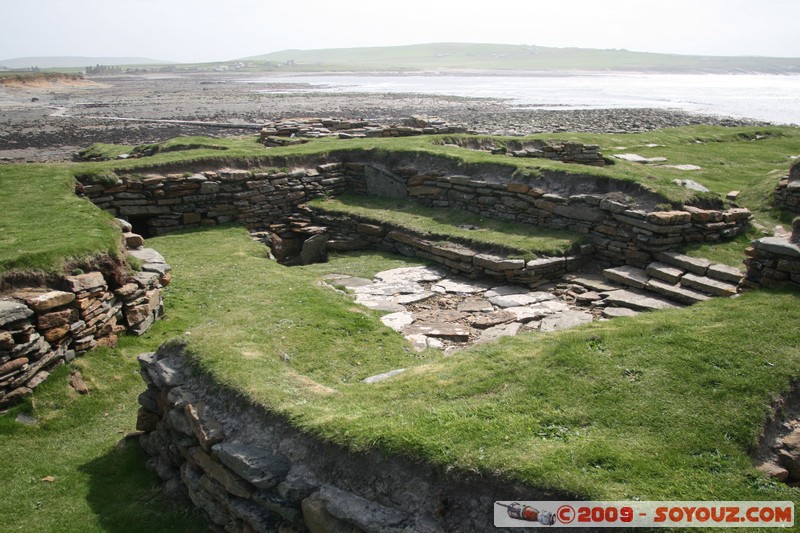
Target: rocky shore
<point x="51" y="121"/>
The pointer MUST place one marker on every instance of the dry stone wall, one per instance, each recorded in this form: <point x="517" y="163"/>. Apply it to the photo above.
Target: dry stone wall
<point x="787" y="193"/>
<point x="621" y="225"/>
<point x="43" y="327"/>
<point x="352" y="233"/>
<point x="248" y="470"/>
<point x="774" y="261"/>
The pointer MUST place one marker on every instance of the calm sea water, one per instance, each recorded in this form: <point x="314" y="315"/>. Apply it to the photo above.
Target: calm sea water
<point x="772" y="98"/>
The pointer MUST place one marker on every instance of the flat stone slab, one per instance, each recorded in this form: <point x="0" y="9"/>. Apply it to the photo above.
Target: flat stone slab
<point x="593" y="284"/>
<point x="42" y="300"/>
<point x="636" y="158"/>
<point x="415" y="274"/>
<point x="677" y="292"/>
<point x="260" y="467"/>
<point x="11" y="311"/>
<point x="691" y="185"/>
<point x="444" y="330"/>
<point x="407" y="299"/>
<point x="553" y="306"/>
<point x="475" y="305"/>
<point x="458" y="287"/>
<point x="637" y="301"/>
<point x="379" y="303"/>
<point x="629" y="276"/>
<point x="778" y="246"/>
<point x="565" y="320"/>
<point x="147" y="255"/>
<point x="698" y="265"/>
<point x="686" y="167"/>
<point x="725" y="273"/>
<point x="390" y="289"/>
<point x="709" y="285"/>
<point x="527" y="313"/>
<point x="618" y="312"/>
<point x="420" y="342"/>
<point x="518" y="300"/>
<point x="489" y="320"/>
<point x="664" y="272"/>
<point x="383" y="377"/>
<point x="349" y="282"/>
<point x="496" y="332"/>
<point x="398" y="321"/>
<point x="506" y="290"/>
<point x="588" y="297"/>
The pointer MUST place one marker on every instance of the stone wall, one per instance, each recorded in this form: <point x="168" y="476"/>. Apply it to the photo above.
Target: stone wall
<point x="254" y="198"/>
<point x="346" y="233"/>
<point x="620" y="224"/>
<point x="618" y="230"/>
<point x="247" y="469"/>
<point x="44" y="326"/>
<point x="787" y="193"/>
<point x="774" y="261"/>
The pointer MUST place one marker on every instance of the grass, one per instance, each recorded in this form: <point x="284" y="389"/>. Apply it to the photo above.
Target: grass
<point x="442" y="225"/>
<point x="43" y="224"/>
<point x="100" y="483"/>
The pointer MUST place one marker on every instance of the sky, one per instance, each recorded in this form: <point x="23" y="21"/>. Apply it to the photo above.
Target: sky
<point x="217" y="30"/>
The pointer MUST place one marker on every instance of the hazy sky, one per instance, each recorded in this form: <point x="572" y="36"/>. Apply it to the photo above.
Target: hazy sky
<point x="207" y="30"/>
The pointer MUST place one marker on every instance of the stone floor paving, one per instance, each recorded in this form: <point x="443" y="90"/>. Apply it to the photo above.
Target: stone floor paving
<point x="433" y="309"/>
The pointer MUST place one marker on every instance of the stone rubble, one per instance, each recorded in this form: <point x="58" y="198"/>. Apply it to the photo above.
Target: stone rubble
<point x="292" y="131"/>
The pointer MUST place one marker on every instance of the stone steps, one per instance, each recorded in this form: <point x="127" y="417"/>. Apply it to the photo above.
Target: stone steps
<point x="679" y="278"/>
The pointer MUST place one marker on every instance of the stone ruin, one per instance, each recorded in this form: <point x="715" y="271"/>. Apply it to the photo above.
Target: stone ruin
<point x="48" y="323"/>
<point x="249" y="470"/>
<point x="787" y="193"/>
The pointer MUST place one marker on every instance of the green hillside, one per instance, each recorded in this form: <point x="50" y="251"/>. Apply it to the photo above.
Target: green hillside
<point x="464" y="56"/>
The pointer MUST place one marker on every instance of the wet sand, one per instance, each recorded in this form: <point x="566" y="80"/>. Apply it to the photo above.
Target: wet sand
<point x="50" y="122"/>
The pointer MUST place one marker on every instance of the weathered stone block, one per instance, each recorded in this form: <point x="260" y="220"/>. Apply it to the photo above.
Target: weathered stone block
<point x="664" y="272"/>
<point x="365" y="514"/>
<point x="42" y="300"/>
<point x="666" y="218"/>
<point x="497" y="263"/>
<point x="708" y="285"/>
<point x="11" y="311"/>
<point x="232" y="483"/>
<point x="260" y="467"/>
<point x="627" y="275"/>
<point x="89" y="282"/>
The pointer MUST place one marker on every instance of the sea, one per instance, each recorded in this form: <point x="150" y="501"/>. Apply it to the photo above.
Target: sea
<point x="765" y="97"/>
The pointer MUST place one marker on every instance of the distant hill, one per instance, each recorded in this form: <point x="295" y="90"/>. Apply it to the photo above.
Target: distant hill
<point x="75" y="61"/>
<point x="500" y="57"/>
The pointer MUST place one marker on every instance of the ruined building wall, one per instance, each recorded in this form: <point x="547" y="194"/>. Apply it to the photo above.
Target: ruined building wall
<point x="619" y="230"/>
<point x="48" y="324"/>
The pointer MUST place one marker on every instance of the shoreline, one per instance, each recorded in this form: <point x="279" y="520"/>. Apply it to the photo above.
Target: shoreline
<point x="142" y="109"/>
